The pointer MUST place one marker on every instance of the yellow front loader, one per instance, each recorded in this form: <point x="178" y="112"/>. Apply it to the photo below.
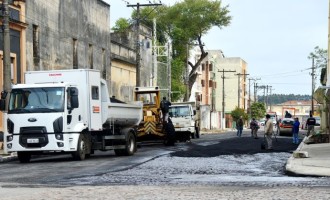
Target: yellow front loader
<point x="152" y="127"/>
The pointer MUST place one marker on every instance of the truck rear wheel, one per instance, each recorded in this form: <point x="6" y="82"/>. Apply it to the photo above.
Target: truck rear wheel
<point x="80" y="154"/>
<point x="24" y="157"/>
<point x="130" y="146"/>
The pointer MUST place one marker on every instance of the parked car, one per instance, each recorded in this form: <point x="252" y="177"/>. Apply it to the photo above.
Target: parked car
<point x="286" y="125"/>
<point x="262" y="122"/>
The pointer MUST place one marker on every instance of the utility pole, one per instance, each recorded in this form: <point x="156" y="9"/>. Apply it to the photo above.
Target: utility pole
<point x="169" y="50"/>
<point x="255" y="87"/>
<point x="137" y="37"/>
<point x="6" y="54"/>
<point x="255" y="91"/>
<point x="267" y="100"/>
<point x="239" y="87"/>
<point x="270" y="102"/>
<point x="223" y="96"/>
<point x="250" y="113"/>
<point x="187" y="74"/>
<point x="313" y="85"/>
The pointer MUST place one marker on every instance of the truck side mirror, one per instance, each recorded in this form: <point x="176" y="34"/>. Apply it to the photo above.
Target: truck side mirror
<point x="74" y="102"/>
<point x="74" y="98"/>
<point x="2" y="104"/>
<point x="194" y="112"/>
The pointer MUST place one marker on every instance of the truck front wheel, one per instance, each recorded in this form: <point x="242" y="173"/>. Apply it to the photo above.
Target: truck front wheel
<point x="24" y="157"/>
<point x="80" y="154"/>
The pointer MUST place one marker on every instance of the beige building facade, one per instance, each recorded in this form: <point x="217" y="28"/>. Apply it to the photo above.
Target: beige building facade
<point x="235" y="86"/>
<point x="123" y="62"/>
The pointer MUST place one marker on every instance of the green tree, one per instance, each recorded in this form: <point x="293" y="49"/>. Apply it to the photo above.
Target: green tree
<point x="258" y="110"/>
<point x="237" y="113"/>
<point x="185" y="23"/>
<point x="320" y="61"/>
<point x="121" y="25"/>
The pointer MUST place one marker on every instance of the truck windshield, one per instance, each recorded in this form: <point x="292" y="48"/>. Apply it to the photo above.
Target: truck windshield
<point x="36" y="100"/>
<point x="179" y="111"/>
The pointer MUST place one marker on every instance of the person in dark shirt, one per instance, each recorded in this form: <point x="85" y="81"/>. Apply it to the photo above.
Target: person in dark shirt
<point x="165" y="106"/>
<point x="254" y="128"/>
<point x="311" y="121"/>
<point x="239" y="126"/>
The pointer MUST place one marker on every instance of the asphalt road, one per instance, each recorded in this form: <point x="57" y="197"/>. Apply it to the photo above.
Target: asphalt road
<point x="104" y="168"/>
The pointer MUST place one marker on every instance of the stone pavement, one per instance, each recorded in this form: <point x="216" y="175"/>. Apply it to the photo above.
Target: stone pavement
<point x="308" y="159"/>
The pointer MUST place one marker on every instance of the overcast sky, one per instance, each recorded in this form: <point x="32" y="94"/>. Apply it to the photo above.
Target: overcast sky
<point x="274" y="37"/>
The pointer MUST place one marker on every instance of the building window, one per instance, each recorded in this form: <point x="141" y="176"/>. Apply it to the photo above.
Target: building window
<point x="210" y="83"/>
<point x="90" y="56"/>
<point x="36" y="50"/>
<point x="75" y="53"/>
<point x="203" y="83"/>
<point x="211" y="67"/>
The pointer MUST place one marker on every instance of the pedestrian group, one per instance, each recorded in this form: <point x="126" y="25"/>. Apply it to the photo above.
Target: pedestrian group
<point x="269" y="128"/>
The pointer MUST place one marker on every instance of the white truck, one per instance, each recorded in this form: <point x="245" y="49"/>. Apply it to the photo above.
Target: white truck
<point x="185" y="120"/>
<point x="68" y="111"/>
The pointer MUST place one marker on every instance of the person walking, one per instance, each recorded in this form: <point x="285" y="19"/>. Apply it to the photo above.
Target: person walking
<point x="295" y="131"/>
<point x="254" y="128"/>
<point x="269" y="132"/>
<point x="239" y="126"/>
<point x="311" y="121"/>
<point x="165" y="106"/>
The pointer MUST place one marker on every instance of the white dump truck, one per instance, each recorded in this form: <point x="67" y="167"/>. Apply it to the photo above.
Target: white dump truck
<point x="68" y="111"/>
<point x="185" y="120"/>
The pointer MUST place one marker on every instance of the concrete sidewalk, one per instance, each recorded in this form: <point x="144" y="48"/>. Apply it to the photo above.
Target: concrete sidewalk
<point x="315" y="160"/>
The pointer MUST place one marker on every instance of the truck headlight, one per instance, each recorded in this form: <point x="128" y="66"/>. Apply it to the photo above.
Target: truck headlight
<point x="9" y="138"/>
<point x="60" y="144"/>
<point x="59" y="136"/>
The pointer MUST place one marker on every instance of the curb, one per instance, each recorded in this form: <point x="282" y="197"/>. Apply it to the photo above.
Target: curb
<point x="298" y="169"/>
<point x="289" y="168"/>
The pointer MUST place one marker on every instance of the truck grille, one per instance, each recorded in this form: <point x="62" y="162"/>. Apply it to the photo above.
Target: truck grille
<point x="33" y="137"/>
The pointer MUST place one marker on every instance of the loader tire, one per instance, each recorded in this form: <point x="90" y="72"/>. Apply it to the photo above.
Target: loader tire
<point x="170" y="133"/>
<point x="197" y="132"/>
